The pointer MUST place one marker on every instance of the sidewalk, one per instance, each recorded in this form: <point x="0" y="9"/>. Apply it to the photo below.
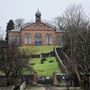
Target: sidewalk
<point x="51" y="88"/>
<point x="35" y="88"/>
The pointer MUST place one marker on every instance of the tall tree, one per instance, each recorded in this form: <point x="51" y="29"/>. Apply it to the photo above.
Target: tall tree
<point x="12" y="64"/>
<point x="10" y="26"/>
<point x="76" y="39"/>
<point x="19" y="22"/>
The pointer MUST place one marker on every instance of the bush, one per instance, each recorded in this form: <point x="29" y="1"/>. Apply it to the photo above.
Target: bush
<point x="32" y="63"/>
<point x="42" y="61"/>
<point x="51" y="61"/>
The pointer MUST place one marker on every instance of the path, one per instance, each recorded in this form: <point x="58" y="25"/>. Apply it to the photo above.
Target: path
<point x="50" y="88"/>
<point x="35" y="88"/>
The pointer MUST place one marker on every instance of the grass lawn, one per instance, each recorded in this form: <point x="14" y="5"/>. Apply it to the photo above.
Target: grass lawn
<point x="47" y="68"/>
<point x="37" y="49"/>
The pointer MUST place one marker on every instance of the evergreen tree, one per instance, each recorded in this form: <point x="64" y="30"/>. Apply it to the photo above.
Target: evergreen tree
<point x="10" y="26"/>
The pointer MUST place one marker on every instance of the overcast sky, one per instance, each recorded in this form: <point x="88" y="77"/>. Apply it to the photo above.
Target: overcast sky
<point x="13" y="9"/>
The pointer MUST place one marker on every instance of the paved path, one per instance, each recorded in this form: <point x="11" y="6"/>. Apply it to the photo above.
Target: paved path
<point x="49" y="88"/>
<point x="35" y="88"/>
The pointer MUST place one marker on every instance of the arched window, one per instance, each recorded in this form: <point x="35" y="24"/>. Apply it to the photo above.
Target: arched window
<point x="38" y="39"/>
<point x="27" y="39"/>
<point x="17" y="40"/>
<point x="48" y="38"/>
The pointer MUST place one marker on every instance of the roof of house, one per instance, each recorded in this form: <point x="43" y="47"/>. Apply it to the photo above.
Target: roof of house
<point x="38" y="13"/>
<point x="18" y="29"/>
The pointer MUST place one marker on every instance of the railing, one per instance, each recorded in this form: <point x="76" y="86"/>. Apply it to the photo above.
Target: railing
<point x="23" y="85"/>
<point x="60" y="56"/>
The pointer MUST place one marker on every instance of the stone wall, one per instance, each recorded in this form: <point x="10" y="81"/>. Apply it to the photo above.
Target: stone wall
<point x="7" y="88"/>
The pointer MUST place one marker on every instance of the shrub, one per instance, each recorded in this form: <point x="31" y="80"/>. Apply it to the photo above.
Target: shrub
<point x="51" y="61"/>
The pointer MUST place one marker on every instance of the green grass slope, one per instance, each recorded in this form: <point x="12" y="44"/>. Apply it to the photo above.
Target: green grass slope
<point x="47" y="68"/>
<point x="36" y="49"/>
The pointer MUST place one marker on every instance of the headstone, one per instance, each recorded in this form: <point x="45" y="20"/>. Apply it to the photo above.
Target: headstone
<point x="41" y="56"/>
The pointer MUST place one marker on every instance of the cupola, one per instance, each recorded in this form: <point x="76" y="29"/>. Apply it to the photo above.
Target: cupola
<point x="38" y="16"/>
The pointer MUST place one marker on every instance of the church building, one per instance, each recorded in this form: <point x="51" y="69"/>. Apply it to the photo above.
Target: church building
<point x="37" y="33"/>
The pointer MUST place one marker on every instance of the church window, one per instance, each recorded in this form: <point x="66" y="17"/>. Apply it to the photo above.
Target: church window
<point x="48" y="38"/>
<point x="38" y="39"/>
<point x="27" y="38"/>
<point x="17" y="40"/>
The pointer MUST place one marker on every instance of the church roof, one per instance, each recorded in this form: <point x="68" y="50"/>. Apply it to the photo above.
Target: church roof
<point x="38" y="20"/>
<point x="44" y="23"/>
<point x="24" y="25"/>
<point x="16" y="29"/>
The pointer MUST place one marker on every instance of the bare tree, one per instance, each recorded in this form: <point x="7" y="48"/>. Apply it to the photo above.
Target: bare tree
<point x="76" y="40"/>
<point x="12" y="63"/>
<point x="19" y="22"/>
<point x="60" y="22"/>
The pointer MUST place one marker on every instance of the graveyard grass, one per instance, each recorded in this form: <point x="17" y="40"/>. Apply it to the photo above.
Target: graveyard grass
<point x="47" y="68"/>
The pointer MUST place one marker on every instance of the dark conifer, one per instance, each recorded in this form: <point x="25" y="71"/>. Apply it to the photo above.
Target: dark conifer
<point x="10" y="26"/>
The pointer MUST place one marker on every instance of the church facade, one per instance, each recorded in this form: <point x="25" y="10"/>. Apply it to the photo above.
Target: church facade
<point x="36" y="33"/>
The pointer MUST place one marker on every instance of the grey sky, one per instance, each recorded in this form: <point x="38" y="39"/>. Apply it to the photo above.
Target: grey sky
<point x="13" y="9"/>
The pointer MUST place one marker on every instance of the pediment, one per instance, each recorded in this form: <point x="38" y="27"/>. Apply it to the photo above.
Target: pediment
<point x="38" y="26"/>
